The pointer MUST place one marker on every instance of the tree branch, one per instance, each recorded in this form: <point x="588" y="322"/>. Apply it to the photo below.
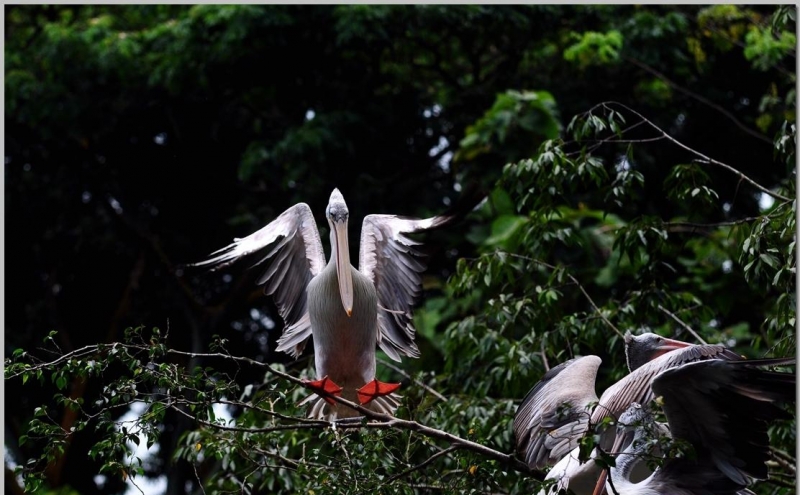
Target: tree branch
<point x="681" y="323"/>
<point x="416" y="382"/>
<point x="424" y="463"/>
<point x="701" y="99"/>
<point x="694" y="226"/>
<point x="385" y="419"/>
<point x="784" y="460"/>
<point x="702" y="158"/>
<point x="580" y="287"/>
<point x="381" y="420"/>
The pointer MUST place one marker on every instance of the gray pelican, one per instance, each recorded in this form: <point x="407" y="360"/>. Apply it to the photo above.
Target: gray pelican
<point x="643" y="348"/>
<point x="559" y="409"/>
<point x="723" y="409"/>
<point x="348" y="311"/>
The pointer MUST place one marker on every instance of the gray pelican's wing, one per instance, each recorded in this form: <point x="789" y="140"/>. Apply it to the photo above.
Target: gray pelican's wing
<point x="555" y="413"/>
<point x="635" y="387"/>
<point x="724" y="408"/>
<point x="297" y="257"/>
<point x="388" y="258"/>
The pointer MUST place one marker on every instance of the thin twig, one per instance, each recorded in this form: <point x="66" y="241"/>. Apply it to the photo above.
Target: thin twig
<point x="681" y="323"/>
<point x="575" y="281"/>
<point x="611" y="484"/>
<point x="416" y="381"/>
<point x="544" y="357"/>
<point x="427" y="487"/>
<point x="701" y="99"/>
<point x="786" y="464"/>
<point x="347" y="456"/>
<point x="293" y="464"/>
<point x="199" y="481"/>
<point x="424" y="463"/>
<point x="778" y="482"/>
<point x="731" y="223"/>
<point x="266" y="429"/>
<point x="130" y="479"/>
<point x="703" y="158"/>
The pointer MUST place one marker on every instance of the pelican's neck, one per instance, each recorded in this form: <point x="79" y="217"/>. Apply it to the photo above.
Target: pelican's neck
<point x="628" y="459"/>
<point x="334" y="248"/>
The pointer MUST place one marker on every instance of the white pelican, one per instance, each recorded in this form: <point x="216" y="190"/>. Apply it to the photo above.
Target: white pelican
<point x="348" y="311"/>
<point x="723" y="409"/>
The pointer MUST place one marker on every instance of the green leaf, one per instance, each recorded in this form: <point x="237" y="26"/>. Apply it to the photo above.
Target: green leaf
<point x="504" y="228"/>
<point x="769" y="259"/>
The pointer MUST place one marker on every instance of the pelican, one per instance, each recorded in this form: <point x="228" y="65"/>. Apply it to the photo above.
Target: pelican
<point x="348" y="311"/>
<point x="723" y="409"/>
<point x="559" y="409"/>
<point x="643" y="348"/>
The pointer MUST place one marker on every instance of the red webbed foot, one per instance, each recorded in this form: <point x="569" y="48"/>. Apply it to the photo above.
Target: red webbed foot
<point x="325" y="384"/>
<point x="375" y="389"/>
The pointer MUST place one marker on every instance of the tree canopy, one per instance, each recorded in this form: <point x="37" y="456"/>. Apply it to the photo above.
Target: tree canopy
<point x="638" y="168"/>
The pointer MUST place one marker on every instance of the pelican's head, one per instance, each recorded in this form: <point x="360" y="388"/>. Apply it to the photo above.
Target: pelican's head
<point x="337" y="208"/>
<point x="641" y="349"/>
<point x="633" y="416"/>
<point x="337" y="214"/>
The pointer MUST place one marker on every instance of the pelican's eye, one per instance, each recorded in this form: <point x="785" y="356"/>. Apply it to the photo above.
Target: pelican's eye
<point x="338" y="212"/>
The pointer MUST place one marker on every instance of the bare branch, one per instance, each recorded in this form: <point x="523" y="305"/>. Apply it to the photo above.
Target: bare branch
<point x="424" y="463"/>
<point x="702" y="158"/>
<point x="692" y="227"/>
<point x="576" y="282"/>
<point x="784" y="460"/>
<point x="416" y="382"/>
<point x="544" y="357"/>
<point x="701" y="99"/>
<point x="386" y="420"/>
<point x="681" y="323"/>
<point x="383" y="420"/>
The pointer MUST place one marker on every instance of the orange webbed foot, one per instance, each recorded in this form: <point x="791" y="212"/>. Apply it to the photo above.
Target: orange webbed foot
<point x="375" y="389"/>
<point x="326" y="385"/>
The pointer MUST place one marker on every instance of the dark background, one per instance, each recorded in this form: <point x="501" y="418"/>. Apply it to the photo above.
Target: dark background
<point x="141" y="138"/>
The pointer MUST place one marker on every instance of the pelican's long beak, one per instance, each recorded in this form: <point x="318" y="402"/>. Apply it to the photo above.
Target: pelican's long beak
<point x="600" y="487"/>
<point x="343" y="270"/>
<point x="669" y="345"/>
<point x="619" y="441"/>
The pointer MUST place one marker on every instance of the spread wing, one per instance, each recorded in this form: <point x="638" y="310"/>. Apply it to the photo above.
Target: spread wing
<point x="389" y="259"/>
<point x="636" y="386"/>
<point x="555" y="413"/>
<point x="724" y="410"/>
<point x="297" y="257"/>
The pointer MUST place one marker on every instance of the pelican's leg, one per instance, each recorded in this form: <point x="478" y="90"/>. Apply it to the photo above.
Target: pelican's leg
<point x="325" y="385"/>
<point x="375" y="389"/>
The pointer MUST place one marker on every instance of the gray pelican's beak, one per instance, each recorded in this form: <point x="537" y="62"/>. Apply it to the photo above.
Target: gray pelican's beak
<point x="616" y="449"/>
<point x="343" y="270"/>
<point x="668" y="345"/>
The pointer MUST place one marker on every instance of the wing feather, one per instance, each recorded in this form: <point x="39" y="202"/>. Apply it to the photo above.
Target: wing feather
<point x="636" y="386"/>
<point x="296" y="256"/>
<point x="554" y="414"/>
<point x="388" y="258"/>
<point x="724" y="409"/>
